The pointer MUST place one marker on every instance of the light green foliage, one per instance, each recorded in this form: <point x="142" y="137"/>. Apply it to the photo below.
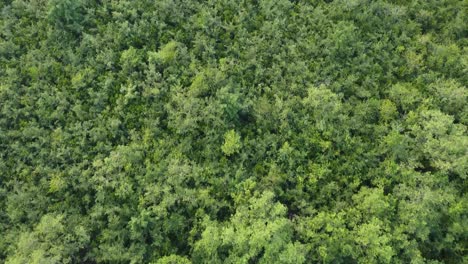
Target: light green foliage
<point x="266" y="131"/>
<point x="452" y="98"/>
<point x="173" y="259"/>
<point x="130" y="59"/>
<point x="388" y="110"/>
<point x="49" y="242"/>
<point x="372" y="203"/>
<point x="324" y="106"/>
<point x="232" y="143"/>
<point x="167" y="53"/>
<point x="405" y="96"/>
<point x="373" y="242"/>
<point x="258" y="232"/>
<point x="442" y="143"/>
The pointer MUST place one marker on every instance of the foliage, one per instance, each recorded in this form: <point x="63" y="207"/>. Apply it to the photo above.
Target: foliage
<point x="181" y="131"/>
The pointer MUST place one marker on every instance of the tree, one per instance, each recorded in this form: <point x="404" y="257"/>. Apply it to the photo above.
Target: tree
<point x="259" y="231"/>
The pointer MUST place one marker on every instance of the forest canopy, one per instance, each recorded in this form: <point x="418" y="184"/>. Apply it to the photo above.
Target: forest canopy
<point x="223" y="131"/>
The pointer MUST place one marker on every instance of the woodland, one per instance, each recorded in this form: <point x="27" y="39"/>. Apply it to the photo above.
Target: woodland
<point x="233" y="131"/>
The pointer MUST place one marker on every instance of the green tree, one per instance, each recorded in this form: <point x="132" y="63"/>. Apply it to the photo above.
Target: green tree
<point x="259" y="231"/>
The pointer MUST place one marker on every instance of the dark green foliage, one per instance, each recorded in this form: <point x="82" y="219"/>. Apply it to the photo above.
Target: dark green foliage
<point x="270" y="131"/>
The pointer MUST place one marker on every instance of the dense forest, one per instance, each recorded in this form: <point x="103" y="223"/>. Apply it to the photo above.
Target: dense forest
<point x="233" y="131"/>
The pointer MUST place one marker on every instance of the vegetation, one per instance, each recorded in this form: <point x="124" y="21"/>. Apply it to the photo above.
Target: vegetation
<point x="222" y="131"/>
